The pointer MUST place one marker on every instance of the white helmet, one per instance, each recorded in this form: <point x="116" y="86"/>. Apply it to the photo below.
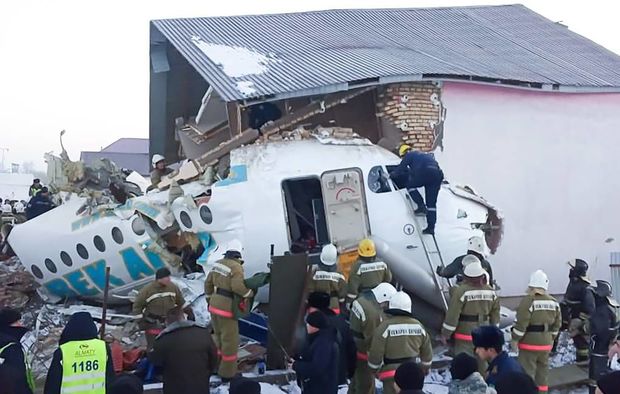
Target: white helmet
<point x="329" y="255"/>
<point x="469" y="259"/>
<point x="539" y="279"/>
<point x="401" y="300"/>
<point x="156" y="159"/>
<point x="474" y="270"/>
<point x="476" y="244"/>
<point x="383" y="292"/>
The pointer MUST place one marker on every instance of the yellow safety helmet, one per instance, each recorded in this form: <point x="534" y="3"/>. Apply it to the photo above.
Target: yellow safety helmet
<point x="366" y="248"/>
<point x="404" y="148"/>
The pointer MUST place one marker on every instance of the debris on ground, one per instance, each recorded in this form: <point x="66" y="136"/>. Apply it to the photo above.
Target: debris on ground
<point x="16" y="284"/>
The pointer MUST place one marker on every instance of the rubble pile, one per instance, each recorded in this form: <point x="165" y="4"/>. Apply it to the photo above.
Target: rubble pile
<point x="16" y="284"/>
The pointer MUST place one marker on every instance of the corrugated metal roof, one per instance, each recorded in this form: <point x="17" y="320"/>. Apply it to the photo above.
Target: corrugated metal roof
<point x="326" y="51"/>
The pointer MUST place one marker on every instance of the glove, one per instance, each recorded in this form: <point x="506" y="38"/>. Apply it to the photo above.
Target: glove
<point x="438" y="270"/>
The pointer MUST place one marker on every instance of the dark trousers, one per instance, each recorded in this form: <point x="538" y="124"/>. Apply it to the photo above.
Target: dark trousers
<point x="597" y="366"/>
<point x="430" y="179"/>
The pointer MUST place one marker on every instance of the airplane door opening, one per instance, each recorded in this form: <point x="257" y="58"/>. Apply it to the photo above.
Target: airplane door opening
<point x="305" y="214"/>
<point x="345" y="207"/>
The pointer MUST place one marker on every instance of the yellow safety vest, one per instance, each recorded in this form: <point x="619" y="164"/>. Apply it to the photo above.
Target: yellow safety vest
<point x="29" y="376"/>
<point x="83" y="367"/>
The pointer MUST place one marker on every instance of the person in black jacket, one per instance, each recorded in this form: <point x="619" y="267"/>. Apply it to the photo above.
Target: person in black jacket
<point x="80" y="327"/>
<point x="39" y="204"/>
<point x="187" y="354"/>
<point x="12" y="356"/>
<point x="347" y="350"/>
<point x="317" y="365"/>
<point x="603" y="331"/>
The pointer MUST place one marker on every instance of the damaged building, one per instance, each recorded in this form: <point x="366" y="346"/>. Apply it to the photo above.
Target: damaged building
<point x="490" y="90"/>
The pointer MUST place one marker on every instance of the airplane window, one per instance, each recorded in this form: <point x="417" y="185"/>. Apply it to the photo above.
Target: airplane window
<point x="36" y="271"/>
<point x="50" y="266"/>
<point x="377" y="181"/>
<point x="81" y="250"/>
<point x="185" y="219"/>
<point x="99" y="244"/>
<point x="117" y="235"/>
<point x="138" y="226"/>
<point x="66" y="259"/>
<point x="206" y="215"/>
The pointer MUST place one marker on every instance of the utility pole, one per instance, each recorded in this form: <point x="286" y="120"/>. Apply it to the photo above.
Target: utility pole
<point x="4" y="150"/>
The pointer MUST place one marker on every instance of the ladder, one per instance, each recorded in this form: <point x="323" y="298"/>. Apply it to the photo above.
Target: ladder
<point x="431" y="251"/>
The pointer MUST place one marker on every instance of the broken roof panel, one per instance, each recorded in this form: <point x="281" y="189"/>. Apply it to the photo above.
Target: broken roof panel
<point x="288" y="55"/>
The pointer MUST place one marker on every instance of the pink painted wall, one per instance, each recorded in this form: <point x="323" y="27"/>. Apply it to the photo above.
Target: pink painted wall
<point x="551" y="163"/>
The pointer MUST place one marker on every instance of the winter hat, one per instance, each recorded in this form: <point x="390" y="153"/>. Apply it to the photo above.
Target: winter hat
<point x="162" y="273"/>
<point x="9" y="316"/>
<point x="462" y="366"/>
<point x="317" y="320"/>
<point x="609" y="383"/>
<point x="488" y="337"/>
<point x="409" y="376"/>
<point x="318" y="300"/>
<point x="243" y="385"/>
<point x="515" y="383"/>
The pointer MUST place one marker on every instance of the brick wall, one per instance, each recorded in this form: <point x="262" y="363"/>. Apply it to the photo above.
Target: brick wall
<point x="415" y="109"/>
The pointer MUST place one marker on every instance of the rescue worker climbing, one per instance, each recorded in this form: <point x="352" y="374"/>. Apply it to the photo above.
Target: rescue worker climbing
<point x="603" y="331"/>
<point x="473" y="303"/>
<point x="327" y="279"/>
<point x="159" y="169"/>
<point x="224" y="280"/>
<point x="366" y="315"/>
<point x="367" y="272"/>
<point x="577" y="307"/>
<point x="476" y="248"/>
<point x="154" y="301"/>
<point x="398" y="339"/>
<point x="537" y="325"/>
<point x="82" y="364"/>
<point x="419" y="169"/>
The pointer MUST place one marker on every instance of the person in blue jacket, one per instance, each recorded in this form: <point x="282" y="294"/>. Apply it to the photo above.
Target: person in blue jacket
<point x="419" y="169"/>
<point x="489" y="346"/>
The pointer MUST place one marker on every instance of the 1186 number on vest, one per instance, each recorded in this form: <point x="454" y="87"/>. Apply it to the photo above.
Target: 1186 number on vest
<point x="85" y="366"/>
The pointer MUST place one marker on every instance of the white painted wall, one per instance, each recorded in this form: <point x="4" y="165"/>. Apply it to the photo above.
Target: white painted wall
<point x="551" y="163"/>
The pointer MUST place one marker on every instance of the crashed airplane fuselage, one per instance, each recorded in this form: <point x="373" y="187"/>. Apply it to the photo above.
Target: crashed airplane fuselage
<point x="278" y="193"/>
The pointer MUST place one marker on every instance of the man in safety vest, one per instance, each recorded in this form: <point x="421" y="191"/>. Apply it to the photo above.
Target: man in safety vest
<point x="398" y="339"/>
<point x="473" y="303"/>
<point x="538" y="323"/>
<point x="11" y="353"/>
<point x="154" y="301"/>
<point x="577" y="307"/>
<point x="366" y="315"/>
<point x="224" y="280"/>
<point x="603" y="331"/>
<point x="327" y="279"/>
<point x="82" y="364"/>
<point x="367" y="272"/>
<point x="35" y="187"/>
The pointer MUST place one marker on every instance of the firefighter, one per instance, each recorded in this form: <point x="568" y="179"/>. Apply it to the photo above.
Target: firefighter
<point x="420" y="170"/>
<point x="603" y="331"/>
<point x="159" y="169"/>
<point x="366" y="315"/>
<point x="398" y="339"/>
<point x="224" y="280"/>
<point x="473" y="303"/>
<point x="476" y="248"/>
<point x="537" y="325"/>
<point x="367" y="272"/>
<point x="327" y="279"/>
<point x="577" y="307"/>
<point x="154" y="301"/>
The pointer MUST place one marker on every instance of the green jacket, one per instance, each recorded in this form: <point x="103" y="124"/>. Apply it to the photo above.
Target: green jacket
<point x="366" y="315"/>
<point x="396" y="340"/>
<point x="366" y="275"/>
<point x="155" y="300"/>
<point x="538" y="320"/>
<point x="470" y="307"/>
<point x="224" y="280"/>
<point x="332" y="283"/>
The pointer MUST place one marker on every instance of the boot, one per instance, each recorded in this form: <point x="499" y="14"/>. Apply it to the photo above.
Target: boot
<point x="420" y="211"/>
<point x="428" y="231"/>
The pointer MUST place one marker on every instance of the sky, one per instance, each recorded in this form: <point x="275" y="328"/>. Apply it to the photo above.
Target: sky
<point x="83" y="65"/>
